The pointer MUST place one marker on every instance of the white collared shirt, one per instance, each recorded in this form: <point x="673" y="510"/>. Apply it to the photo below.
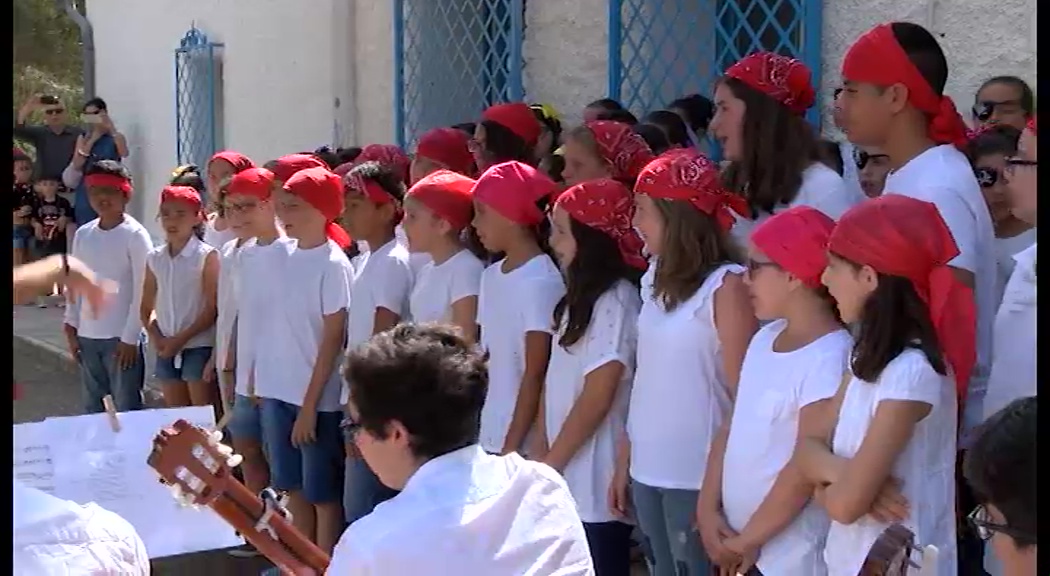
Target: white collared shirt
<point x="470" y="513"/>
<point x="54" y="536"/>
<point x="1014" y="345"/>
<point x="180" y="289"/>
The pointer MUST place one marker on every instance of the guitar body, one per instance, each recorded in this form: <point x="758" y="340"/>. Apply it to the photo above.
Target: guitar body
<point x="200" y="472"/>
<point x="892" y="555"/>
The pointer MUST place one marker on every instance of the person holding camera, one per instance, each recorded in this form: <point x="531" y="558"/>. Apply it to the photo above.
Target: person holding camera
<point x="102" y="141"/>
<point x="54" y="140"/>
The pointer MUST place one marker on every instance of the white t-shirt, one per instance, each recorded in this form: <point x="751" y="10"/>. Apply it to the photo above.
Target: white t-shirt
<point x="1006" y="251"/>
<point x="679" y="395"/>
<point x="926" y="467"/>
<point x="762" y="439"/>
<point x="216" y="238"/>
<point x="510" y="305"/>
<point x="850" y="172"/>
<point x="611" y="336"/>
<point x="227" y="298"/>
<point x="1013" y="373"/>
<point x="180" y="289"/>
<point x="315" y="283"/>
<point x="470" y="513"/>
<point x="55" y="536"/>
<point x="118" y="254"/>
<point x="439" y="286"/>
<point x="381" y="279"/>
<point x="822" y="188"/>
<point x="259" y="280"/>
<point x="943" y="176"/>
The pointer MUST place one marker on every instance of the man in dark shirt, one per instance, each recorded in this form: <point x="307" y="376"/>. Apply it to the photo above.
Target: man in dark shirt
<point x="55" y="140"/>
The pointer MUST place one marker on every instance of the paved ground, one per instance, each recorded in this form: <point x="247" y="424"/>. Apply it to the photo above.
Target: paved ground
<point x="50" y="387"/>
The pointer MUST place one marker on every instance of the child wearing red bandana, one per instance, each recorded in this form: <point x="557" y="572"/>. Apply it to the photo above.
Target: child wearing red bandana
<point x="108" y="346"/>
<point x="178" y="301"/>
<point x="221" y="167"/>
<point x="893" y="98"/>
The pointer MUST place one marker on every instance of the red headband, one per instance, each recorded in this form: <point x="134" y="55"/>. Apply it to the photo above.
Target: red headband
<point x="184" y="194"/>
<point x="255" y="182"/>
<point x="512" y="189"/>
<point x="448" y="195"/>
<point x="388" y="155"/>
<point x="448" y="146"/>
<point x="902" y="236"/>
<point x="877" y="58"/>
<point x="786" y="80"/>
<point x="239" y="161"/>
<point x="284" y="167"/>
<point x="323" y="190"/>
<point x="516" y="117"/>
<point x="685" y="174"/>
<point x="356" y="184"/>
<point x="109" y="181"/>
<point x="607" y="206"/>
<point x="621" y="147"/>
<point x="797" y="241"/>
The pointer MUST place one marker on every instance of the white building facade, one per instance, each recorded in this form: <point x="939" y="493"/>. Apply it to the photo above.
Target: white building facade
<point x="271" y="77"/>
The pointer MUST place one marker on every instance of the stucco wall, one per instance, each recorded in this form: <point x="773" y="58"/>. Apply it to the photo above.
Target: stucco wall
<point x="279" y="85"/>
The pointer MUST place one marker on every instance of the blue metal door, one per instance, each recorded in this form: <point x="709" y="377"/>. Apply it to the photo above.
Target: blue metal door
<point x="453" y="58"/>
<point x="660" y="50"/>
<point x="196" y="98"/>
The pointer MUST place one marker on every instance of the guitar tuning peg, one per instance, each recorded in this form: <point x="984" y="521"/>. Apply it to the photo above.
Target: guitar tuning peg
<point x="215" y="435"/>
<point x="234" y="460"/>
<point x="176" y="491"/>
<point x="223" y="449"/>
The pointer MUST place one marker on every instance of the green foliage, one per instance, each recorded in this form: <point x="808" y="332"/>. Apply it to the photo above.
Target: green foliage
<point x="47" y="54"/>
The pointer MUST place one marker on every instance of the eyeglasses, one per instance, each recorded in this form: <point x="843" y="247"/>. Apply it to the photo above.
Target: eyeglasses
<point x="985" y="527"/>
<point x="54" y="111"/>
<point x="754" y="266"/>
<point x="861" y="158"/>
<point x="986" y="177"/>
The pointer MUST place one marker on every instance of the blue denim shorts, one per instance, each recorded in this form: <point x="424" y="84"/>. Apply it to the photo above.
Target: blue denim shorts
<point x="363" y="491"/>
<point x="191" y="368"/>
<point x="315" y="469"/>
<point x="246" y="423"/>
<point x="21" y="236"/>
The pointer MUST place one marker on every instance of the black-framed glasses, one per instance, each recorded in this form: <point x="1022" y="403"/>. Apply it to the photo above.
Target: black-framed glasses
<point x="861" y="158"/>
<point x="54" y="111"/>
<point x="986" y="177"/>
<point x="985" y="527"/>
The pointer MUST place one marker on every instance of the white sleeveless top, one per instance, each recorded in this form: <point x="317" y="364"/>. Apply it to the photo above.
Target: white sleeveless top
<point x="180" y="291"/>
<point x="679" y="396"/>
<point x="226" y="300"/>
<point x="926" y="466"/>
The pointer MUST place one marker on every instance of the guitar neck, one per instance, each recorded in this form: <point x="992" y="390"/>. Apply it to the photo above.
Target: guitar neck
<point x="292" y="552"/>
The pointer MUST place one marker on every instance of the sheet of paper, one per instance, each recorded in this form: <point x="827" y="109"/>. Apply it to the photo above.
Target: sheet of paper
<point x="94" y="464"/>
<point x="32" y="457"/>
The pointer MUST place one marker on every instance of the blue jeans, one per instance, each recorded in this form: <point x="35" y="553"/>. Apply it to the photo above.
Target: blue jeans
<point x="191" y="365"/>
<point x="101" y="376"/>
<point x="610" y="544"/>
<point x="667" y="517"/>
<point x="246" y="422"/>
<point x="315" y="469"/>
<point x="362" y="491"/>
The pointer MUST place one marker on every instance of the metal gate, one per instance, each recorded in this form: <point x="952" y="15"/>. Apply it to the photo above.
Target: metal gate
<point x="660" y="50"/>
<point x="452" y="59"/>
<point x="197" y="98"/>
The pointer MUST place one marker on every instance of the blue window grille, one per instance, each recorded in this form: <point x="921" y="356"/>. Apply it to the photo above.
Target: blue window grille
<point x="452" y="59"/>
<point x="660" y="50"/>
<point x="197" y="98"/>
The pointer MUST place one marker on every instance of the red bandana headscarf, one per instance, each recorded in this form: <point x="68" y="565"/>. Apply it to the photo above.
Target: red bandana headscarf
<point x="284" y="167"/>
<point x="387" y="155"/>
<point x="621" y="147"/>
<point x="357" y="185"/>
<point x="786" y="80"/>
<point x="607" y="206"/>
<point x="448" y="195"/>
<point x="323" y="190"/>
<point x="239" y="161"/>
<point x="255" y="182"/>
<point x="877" y="58"/>
<point x="185" y="194"/>
<point x="109" y="181"/>
<point x="902" y="236"/>
<point x="797" y="241"/>
<point x="516" y="117"/>
<point x="448" y="146"/>
<point x="512" y="189"/>
<point x="685" y="174"/>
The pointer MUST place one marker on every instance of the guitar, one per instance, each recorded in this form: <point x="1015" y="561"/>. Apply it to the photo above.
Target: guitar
<point x="891" y="555"/>
<point x="199" y="470"/>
